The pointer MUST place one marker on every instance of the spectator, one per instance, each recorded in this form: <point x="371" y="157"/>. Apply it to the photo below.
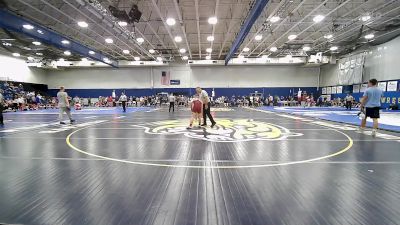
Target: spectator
<point x="2" y="104"/>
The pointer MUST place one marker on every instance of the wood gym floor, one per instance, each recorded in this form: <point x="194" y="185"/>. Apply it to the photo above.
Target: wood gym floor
<point x="145" y="168"/>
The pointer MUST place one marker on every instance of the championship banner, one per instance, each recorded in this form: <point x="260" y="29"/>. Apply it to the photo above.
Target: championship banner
<point x="363" y="87"/>
<point x="333" y="90"/>
<point x="392" y="86"/>
<point x="329" y="90"/>
<point x="339" y="89"/>
<point x="356" y="88"/>
<point x="165" y="78"/>
<point x="382" y="85"/>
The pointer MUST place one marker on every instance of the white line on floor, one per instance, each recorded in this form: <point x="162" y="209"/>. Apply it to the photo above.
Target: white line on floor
<point x="201" y="161"/>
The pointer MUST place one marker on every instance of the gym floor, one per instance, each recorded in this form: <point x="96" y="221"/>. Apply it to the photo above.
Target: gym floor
<point x="144" y="167"/>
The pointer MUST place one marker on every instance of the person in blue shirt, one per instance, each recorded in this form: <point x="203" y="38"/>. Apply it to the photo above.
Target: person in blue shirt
<point x="371" y="102"/>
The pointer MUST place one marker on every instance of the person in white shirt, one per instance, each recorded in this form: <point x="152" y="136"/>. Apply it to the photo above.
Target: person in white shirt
<point x="21" y="103"/>
<point x="171" y="99"/>
<point x="206" y="107"/>
<point x="271" y="100"/>
<point x="123" y="98"/>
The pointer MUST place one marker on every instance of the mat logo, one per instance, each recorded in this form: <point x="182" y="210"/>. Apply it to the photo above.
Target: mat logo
<point x="214" y="109"/>
<point x="226" y="130"/>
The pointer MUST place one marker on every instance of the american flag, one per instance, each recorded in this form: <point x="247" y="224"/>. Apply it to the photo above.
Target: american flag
<point x="165" y="78"/>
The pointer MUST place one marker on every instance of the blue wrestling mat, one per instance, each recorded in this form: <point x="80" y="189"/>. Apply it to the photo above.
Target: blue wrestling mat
<point x="390" y="120"/>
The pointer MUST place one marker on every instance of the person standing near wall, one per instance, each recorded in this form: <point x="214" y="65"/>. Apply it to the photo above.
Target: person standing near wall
<point x="171" y="99"/>
<point x="371" y="103"/>
<point x="63" y="105"/>
<point x="349" y="101"/>
<point x="113" y="96"/>
<point x="206" y="107"/>
<point x="1" y="108"/>
<point x="123" y="100"/>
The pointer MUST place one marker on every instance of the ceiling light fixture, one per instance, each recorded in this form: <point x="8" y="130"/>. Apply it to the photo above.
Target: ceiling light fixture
<point x="83" y="24"/>
<point x="258" y="37"/>
<point x="30" y="58"/>
<point x="369" y="36"/>
<point x="208" y="57"/>
<point x="212" y="20"/>
<point x="246" y="49"/>
<point x="209" y="50"/>
<point x="65" y="42"/>
<point x="36" y="43"/>
<point x="318" y="18"/>
<point x="273" y="49"/>
<point x="334" y="48"/>
<point x="136" y="58"/>
<point x="16" y="54"/>
<point x="28" y="26"/>
<point x="152" y="51"/>
<point x="170" y="21"/>
<point x="178" y="39"/>
<point x="292" y="37"/>
<point x="126" y="52"/>
<point x="122" y="23"/>
<point x="140" y="40"/>
<point x="92" y="52"/>
<point x="61" y="60"/>
<point x="109" y="40"/>
<point x="182" y="50"/>
<point x="274" y="19"/>
<point x="159" y="59"/>
<point x="210" y="38"/>
<point x="365" y="18"/>
<point x="39" y="53"/>
<point x="67" y="53"/>
<point x="40" y="31"/>
<point x="306" y="48"/>
<point x="328" y="36"/>
<point x="185" y="57"/>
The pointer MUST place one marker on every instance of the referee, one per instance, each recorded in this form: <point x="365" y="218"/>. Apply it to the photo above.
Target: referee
<point x="171" y="99"/>
<point x="123" y="100"/>
<point x="206" y="107"/>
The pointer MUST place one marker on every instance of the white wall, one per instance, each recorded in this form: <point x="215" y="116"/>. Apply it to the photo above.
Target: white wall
<point x="213" y="76"/>
<point x="329" y="75"/>
<point x="255" y="76"/>
<point x="16" y="69"/>
<point x="99" y="78"/>
<point x="381" y="62"/>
